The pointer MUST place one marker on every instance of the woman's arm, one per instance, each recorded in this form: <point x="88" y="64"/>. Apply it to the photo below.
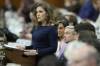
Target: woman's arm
<point x="53" y="43"/>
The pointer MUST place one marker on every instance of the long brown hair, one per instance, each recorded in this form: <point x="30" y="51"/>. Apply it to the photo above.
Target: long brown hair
<point x="47" y="9"/>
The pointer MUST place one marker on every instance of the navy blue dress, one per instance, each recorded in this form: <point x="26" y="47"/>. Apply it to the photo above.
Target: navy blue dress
<point x="44" y="40"/>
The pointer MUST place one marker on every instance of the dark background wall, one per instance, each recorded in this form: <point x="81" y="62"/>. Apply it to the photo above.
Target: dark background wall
<point x="57" y="3"/>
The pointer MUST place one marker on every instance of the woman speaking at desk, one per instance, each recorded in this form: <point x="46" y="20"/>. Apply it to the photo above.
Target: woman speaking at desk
<point x="44" y="36"/>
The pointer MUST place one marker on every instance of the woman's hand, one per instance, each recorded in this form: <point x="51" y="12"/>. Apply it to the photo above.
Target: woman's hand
<point x="30" y="52"/>
<point x="20" y="47"/>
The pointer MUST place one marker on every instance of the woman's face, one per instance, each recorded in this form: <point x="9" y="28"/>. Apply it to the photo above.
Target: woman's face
<point x="61" y="29"/>
<point x="41" y="14"/>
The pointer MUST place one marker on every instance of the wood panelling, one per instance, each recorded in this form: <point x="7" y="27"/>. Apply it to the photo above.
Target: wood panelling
<point x="1" y="3"/>
<point x="16" y="3"/>
<point x="57" y="3"/>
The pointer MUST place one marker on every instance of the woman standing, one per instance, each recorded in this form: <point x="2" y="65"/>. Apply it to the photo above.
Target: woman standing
<point x="44" y="36"/>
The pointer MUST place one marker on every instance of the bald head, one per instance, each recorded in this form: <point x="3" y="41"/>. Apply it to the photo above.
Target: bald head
<point x="78" y="51"/>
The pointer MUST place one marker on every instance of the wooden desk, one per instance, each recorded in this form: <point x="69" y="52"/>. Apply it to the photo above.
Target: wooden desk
<point x="16" y="56"/>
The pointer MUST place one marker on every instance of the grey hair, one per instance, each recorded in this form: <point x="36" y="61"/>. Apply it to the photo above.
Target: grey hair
<point x="72" y="28"/>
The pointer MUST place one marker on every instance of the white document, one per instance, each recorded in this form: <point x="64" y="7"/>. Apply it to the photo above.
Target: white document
<point x="12" y="45"/>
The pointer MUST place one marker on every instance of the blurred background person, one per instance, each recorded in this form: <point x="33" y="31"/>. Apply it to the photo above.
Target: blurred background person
<point x="72" y="5"/>
<point x="90" y="10"/>
<point x="81" y="54"/>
